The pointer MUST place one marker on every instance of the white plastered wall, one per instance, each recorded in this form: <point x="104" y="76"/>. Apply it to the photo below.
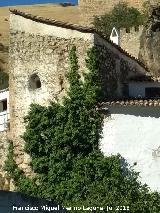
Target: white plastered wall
<point x="134" y="133"/>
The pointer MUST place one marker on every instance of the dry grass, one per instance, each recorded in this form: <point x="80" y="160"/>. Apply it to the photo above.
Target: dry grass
<point x="67" y="14"/>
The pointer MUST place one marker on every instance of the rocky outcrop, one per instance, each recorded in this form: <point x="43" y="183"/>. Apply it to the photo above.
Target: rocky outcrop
<point x="150" y="42"/>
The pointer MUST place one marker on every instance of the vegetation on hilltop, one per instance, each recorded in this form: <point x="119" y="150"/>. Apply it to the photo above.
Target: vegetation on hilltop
<point x="63" y="143"/>
<point x="122" y="16"/>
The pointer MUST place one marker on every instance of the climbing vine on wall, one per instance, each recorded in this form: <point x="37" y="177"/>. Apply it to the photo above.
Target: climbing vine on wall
<point x="63" y="143"/>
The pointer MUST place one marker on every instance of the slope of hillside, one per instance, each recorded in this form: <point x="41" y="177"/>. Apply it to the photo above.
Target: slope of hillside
<point x="54" y="11"/>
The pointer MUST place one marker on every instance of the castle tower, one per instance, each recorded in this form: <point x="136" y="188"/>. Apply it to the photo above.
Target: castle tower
<point x="91" y="8"/>
<point x="38" y="64"/>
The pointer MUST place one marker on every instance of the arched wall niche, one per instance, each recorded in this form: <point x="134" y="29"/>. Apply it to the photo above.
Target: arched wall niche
<point x="34" y="82"/>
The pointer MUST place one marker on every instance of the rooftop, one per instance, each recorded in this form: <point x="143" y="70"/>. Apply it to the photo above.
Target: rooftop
<point x="131" y="102"/>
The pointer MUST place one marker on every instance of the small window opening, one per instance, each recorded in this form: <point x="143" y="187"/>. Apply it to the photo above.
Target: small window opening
<point x="3" y="105"/>
<point x="35" y="82"/>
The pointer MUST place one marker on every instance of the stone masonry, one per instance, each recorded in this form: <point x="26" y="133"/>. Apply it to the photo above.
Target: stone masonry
<point x="41" y="49"/>
<point x="117" y="68"/>
<point x="130" y="40"/>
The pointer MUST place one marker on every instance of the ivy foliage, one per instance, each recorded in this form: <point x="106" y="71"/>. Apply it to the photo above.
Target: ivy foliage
<point x="63" y="143"/>
<point x="122" y="16"/>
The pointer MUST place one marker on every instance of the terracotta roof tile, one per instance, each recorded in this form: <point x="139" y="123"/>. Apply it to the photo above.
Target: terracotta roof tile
<point x="131" y="102"/>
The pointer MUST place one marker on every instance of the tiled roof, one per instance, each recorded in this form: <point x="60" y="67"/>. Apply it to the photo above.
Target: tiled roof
<point x="75" y="27"/>
<point x="131" y="102"/>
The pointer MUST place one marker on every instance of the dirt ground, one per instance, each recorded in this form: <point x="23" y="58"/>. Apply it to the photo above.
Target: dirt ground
<point x="68" y="14"/>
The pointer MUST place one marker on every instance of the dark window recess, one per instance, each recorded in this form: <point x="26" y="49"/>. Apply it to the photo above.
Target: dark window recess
<point x="4" y="102"/>
<point x="3" y="105"/>
<point x="38" y="84"/>
<point x="152" y="92"/>
<point x="34" y="82"/>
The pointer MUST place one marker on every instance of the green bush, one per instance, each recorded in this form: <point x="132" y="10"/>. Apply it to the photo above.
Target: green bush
<point x="63" y="142"/>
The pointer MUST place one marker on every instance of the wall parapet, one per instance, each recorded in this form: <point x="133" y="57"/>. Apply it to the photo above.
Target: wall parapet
<point x="130" y="39"/>
<point x="131" y="30"/>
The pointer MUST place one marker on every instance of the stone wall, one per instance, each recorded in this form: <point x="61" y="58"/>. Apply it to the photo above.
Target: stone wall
<point x="41" y="49"/>
<point x="90" y="8"/>
<point x="116" y="68"/>
<point x="130" y="40"/>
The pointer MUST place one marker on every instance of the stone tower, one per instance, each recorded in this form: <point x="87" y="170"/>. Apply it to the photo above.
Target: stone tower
<point x="38" y="63"/>
<point x="90" y="8"/>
